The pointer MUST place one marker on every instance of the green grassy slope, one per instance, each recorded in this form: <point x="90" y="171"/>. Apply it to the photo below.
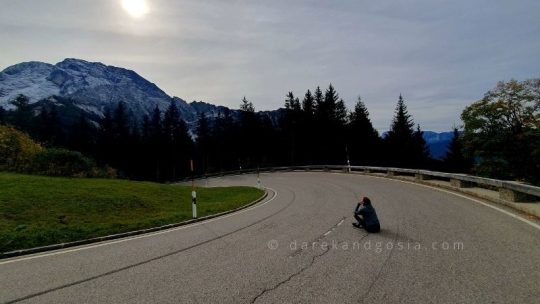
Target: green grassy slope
<point x="37" y="211"/>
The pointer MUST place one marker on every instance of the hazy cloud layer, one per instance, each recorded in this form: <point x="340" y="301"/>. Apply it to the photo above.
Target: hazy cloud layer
<point x="441" y="55"/>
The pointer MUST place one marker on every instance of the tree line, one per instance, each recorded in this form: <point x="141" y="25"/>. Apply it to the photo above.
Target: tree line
<point x="316" y="128"/>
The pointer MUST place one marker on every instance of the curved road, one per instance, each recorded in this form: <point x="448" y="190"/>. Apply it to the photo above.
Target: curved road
<point x="299" y="246"/>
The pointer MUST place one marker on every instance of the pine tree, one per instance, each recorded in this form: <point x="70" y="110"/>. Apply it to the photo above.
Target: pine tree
<point x="455" y="161"/>
<point x="156" y="143"/>
<point x="247" y="106"/>
<point x="249" y="140"/>
<point x="329" y="125"/>
<point x="331" y="98"/>
<point x="289" y="101"/>
<point x="145" y="127"/>
<point x="307" y="136"/>
<point x="340" y="112"/>
<point x="226" y="136"/>
<point x="308" y="103"/>
<point x="320" y="154"/>
<point x="402" y="125"/>
<point x="114" y="139"/>
<point x="203" y="142"/>
<point x="41" y="129"/>
<point x="2" y="116"/>
<point x="121" y="122"/>
<point x="400" y="142"/>
<point x="269" y="138"/>
<point x="106" y="138"/>
<point x="203" y="131"/>
<point x="363" y="139"/>
<point x="146" y="151"/>
<point x="319" y="100"/>
<point x="176" y="148"/>
<point x="82" y="136"/>
<point x="58" y="138"/>
<point x="290" y="124"/>
<point x="156" y="129"/>
<point x="136" y="152"/>
<point x="121" y="139"/>
<point x="171" y="121"/>
<point x="22" y="116"/>
<point x="421" y="154"/>
<point x="183" y="150"/>
<point x="47" y="127"/>
<point x="106" y="123"/>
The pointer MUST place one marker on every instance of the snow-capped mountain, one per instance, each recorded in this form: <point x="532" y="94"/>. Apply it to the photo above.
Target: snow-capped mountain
<point x="76" y="85"/>
<point x="91" y="87"/>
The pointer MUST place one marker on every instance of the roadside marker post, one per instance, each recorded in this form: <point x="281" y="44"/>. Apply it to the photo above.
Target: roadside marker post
<point x="193" y="192"/>
<point x="348" y="159"/>
<point x="194" y="203"/>
<point x="258" y="178"/>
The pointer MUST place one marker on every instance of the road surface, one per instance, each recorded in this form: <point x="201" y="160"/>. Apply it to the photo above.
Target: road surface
<point x="298" y="246"/>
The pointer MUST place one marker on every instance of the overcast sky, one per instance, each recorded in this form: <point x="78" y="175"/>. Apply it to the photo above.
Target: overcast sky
<point x="441" y="55"/>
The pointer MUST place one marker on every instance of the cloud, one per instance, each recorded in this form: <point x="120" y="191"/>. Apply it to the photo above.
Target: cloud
<point x="442" y="55"/>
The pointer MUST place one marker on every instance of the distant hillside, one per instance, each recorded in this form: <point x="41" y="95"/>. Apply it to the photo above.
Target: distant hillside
<point x="438" y="143"/>
<point x="77" y="86"/>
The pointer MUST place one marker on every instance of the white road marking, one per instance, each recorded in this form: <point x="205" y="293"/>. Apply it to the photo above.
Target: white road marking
<point x="339" y="224"/>
<point x="256" y="206"/>
<point x="140" y="236"/>
<point x="490" y="206"/>
<point x="460" y="195"/>
<point x="328" y="232"/>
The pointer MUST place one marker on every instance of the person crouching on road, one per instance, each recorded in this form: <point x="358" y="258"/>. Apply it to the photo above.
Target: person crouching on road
<point x="366" y="216"/>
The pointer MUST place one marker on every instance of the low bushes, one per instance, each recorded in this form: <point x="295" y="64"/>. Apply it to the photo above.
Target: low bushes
<point x="19" y="153"/>
<point x="17" y="150"/>
<point x="61" y="162"/>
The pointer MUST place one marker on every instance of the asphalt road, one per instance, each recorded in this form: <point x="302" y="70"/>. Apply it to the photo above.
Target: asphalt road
<point x="298" y="246"/>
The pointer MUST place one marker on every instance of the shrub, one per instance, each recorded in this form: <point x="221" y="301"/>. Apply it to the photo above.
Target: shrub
<point x="17" y="149"/>
<point x="104" y="172"/>
<point x="19" y="153"/>
<point x="61" y="162"/>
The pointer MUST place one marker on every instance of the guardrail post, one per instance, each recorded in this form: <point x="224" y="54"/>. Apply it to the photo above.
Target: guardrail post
<point x="459" y="183"/>
<point x="420" y="176"/>
<point x="512" y="196"/>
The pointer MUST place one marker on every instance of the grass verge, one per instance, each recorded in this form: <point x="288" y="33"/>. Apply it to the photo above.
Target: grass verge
<point x="38" y="211"/>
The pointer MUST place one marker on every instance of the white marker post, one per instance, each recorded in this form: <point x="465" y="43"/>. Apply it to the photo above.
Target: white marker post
<point x="258" y="178"/>
<point x="194" y="203"/>
<point x="348" y="161"/>
<point x="193" y="192"/>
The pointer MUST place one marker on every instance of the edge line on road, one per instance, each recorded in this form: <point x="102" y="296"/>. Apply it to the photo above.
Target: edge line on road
<point x="106" y="243"/>
<point x="453" y="193"/>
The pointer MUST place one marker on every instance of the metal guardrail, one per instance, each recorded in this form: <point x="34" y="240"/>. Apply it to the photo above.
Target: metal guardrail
<point x="508" y="190"/>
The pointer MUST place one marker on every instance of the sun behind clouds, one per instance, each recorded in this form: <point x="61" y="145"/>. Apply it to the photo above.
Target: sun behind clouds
<point x="136" y="8"/>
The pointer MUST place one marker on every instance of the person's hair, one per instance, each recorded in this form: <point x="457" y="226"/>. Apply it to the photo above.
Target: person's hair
<point x="366" y="201"/>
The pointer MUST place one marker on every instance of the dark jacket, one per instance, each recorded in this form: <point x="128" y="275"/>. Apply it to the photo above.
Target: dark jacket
<point x="371" y="221"/>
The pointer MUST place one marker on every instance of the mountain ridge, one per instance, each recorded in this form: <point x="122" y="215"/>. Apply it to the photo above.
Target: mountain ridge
<point x="92" y="87"/>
